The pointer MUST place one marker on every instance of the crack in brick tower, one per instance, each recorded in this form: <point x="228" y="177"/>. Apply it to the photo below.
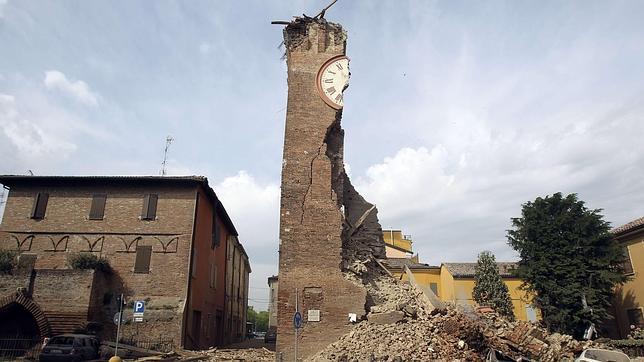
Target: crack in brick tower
<point x="328" y="232"/>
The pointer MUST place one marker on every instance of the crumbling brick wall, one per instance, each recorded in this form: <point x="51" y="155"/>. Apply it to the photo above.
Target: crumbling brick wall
<point x="324" y="223"/>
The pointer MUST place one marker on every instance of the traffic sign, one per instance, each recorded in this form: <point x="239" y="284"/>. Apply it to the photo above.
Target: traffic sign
<point x="118" y="318"/>
<point x="139" y="306"/>
<point x="297" y="320"/>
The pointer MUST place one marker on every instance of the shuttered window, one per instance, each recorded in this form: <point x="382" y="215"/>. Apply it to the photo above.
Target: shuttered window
<point x="149" y="211"/>
<point x="628" y="264"/>
<point x="142" y="262"/>
<point x="40" y="205"/>
<point x="97" y="210"/>
<point x="434" y="288"/>
<point x="216" y="233"/>
<point x="213" y="275"/>
<point x="193" y="269"/>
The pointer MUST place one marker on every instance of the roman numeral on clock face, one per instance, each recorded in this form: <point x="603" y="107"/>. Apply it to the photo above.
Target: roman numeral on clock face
<point x="328" y="81"/>
<point x="338" y="98"/>
<point x="331" y="90"/>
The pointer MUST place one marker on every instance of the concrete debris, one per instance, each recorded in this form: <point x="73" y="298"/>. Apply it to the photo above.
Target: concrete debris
<point x="214" y="354"/>
<point x="386" y="317"/>
<point x="402" y="325"/>
<point x="449" y="335"/>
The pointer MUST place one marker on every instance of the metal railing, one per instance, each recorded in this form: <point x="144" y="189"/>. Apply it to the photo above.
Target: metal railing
<point x="20" y="348"/>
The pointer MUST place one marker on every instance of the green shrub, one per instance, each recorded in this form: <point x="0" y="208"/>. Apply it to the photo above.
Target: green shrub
<point x="89" y="261"/>
<point x="621" y="343"/>
<point x="7" y="261"/>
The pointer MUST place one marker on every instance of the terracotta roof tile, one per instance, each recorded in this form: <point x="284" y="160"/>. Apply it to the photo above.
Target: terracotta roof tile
<point x="466" y="270"/>
<point x="629" y="226"/>
<point x="399" y="263"/>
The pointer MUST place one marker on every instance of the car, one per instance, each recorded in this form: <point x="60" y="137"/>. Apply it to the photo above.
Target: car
<point x="601" y="355"/>
<point x="271" y="335"/>
<point x="70" y="347"/>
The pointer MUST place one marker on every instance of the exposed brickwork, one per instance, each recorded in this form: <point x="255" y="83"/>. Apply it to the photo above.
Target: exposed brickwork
<point x="66" y="229"/>
<point x="33" y="308"/>
<point x="315" y="192"/>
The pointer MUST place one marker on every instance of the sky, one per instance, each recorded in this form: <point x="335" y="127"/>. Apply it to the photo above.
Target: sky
<point x="458" y="112"/>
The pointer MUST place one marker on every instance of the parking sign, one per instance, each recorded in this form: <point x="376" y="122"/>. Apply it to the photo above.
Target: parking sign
<point x="139" y="307"/>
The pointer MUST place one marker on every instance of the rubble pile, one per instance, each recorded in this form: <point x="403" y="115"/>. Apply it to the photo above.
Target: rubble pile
<point x="214" y="354"/>
<point x="402" y="326"/>
<point x="449" y="334"/>
<point x="409" y="340"/>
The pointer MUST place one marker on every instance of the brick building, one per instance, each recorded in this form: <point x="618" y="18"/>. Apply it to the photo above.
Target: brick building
<point x="168" y="241"/>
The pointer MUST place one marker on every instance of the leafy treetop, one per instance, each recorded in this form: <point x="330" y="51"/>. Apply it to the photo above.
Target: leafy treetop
<point x="489" y="288"/>
<point x="569" y="261"/>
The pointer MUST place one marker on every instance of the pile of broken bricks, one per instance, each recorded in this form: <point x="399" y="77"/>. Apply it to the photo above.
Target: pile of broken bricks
<point x="214" y="354"/>
<point x="405" y="324"/>
<point x="447" y="334"/>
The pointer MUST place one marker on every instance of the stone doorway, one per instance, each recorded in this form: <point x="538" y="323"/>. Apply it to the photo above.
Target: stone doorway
<point x="17" y="322"/>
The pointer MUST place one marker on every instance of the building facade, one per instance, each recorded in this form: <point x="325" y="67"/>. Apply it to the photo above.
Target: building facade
<point x="454" y="283"/>
<point x="272" y="300"/>
<point x="166" y="240"/>
<point x="397" y="244"/>
<point x="629" y="298"/>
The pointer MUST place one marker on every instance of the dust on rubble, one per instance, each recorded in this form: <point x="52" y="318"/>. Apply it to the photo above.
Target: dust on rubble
<point x="403" y="326"/>
<point x="214" y="354"/>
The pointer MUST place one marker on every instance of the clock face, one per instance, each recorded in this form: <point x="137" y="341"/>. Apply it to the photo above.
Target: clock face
<point x="332" y="80"/>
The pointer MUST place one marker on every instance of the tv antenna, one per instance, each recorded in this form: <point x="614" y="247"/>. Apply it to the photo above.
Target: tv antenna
<point x="168" y="142"/>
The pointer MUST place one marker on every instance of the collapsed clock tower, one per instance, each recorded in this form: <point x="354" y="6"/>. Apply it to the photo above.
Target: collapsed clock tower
<point x="327" y="230"/>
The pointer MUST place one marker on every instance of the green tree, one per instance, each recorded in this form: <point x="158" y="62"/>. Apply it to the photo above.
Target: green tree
<point x="251" y="315"/>
<point x="262" y="321"/>
<point x="569" y="261"/>
<point x="259" y="319"/>
<point x="489" y="288"/>
<point x="7" y="261"/>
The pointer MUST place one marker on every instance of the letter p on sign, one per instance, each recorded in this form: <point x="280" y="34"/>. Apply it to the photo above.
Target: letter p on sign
<point x="139" y="306"/>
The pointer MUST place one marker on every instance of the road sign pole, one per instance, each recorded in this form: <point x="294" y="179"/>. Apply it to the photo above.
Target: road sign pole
<point x="297" y="309"/>
<point x="118" y="326"/>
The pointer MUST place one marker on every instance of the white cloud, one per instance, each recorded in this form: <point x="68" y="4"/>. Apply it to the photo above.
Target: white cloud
<point x="254" y="209"/>
<point x="205" y="47"/>
<point x="29" y="138"/>
<point x="78" y="90"/>
<point x="469" y="187"/>
<point x="3" y="3"/>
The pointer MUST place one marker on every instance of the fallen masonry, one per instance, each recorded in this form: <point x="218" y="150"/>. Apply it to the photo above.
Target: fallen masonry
<point x="448" y="333"/>
<point x="402" y="326"/>
<point x="214" y="354"/>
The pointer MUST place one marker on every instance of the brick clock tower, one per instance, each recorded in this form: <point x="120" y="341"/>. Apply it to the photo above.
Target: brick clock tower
<point x="314" y="217"/>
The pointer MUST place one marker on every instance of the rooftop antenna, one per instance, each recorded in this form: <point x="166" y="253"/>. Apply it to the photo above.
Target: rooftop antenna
<point x="168" y="141"/>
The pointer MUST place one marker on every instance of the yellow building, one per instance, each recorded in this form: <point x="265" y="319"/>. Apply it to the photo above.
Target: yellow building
<point x="629" y="298"/>
<point x="397" y="245"/>
<point x="454" y="282"/>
